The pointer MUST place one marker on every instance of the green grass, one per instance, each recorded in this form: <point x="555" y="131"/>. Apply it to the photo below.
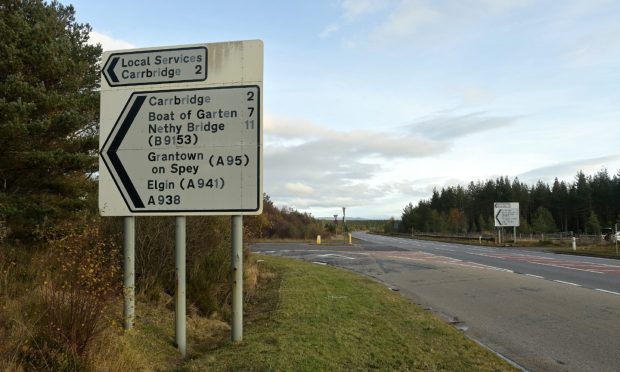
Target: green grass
<point x="605" y="250"/>
<point x="310" y="317"/>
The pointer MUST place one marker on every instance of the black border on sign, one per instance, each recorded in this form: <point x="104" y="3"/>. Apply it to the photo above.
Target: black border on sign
<point x="125" y="178"/>
<point x="111" y="84"/>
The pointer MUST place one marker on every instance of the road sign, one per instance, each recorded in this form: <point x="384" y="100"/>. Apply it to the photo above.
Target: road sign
<point x="506" y="214"/>
<point x="186" y="149"/>
<point x="181" y="150"/>
<point x="156" y="66"/>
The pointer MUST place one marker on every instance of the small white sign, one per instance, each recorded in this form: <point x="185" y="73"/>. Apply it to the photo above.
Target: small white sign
<point x="506" y="214"/>
<point x="156" y="66"/>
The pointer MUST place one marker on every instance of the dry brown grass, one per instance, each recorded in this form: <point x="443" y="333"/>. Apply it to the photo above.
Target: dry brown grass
<point x="60" y="302"/>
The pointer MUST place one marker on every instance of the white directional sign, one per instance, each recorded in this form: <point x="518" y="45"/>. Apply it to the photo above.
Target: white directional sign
<point x="156" y="66"/>
<point x="506" y="214"/>
<point x="186" y="149"/>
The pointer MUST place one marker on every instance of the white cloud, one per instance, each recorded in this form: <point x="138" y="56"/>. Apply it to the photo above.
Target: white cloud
<point x="567" y="170"/>
<point x="358" y="143"/>
<point x="329" y="30"/>
<point x="354" y="9"/>
<point x="409" y="17"/>
<point x="473" y="95"/>
<point x="433" y="20"/>
<point x="445" y="127"/>
<point x="298" y="188"/>
<point x="308" y="166"/>
<point x="108" y="42"/>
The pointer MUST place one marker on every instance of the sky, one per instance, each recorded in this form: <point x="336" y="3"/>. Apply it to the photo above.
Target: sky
<point x="369" y="105"/>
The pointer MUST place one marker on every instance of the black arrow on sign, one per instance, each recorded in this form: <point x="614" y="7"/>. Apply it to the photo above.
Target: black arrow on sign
<point x="496" y="217"/>
<point x="110" y="69"/>
<point x="116" y="143"/>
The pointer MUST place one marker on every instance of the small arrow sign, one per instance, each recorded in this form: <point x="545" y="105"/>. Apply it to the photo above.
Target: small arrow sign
<point x="501" y="221"/>
<point x="112" y="154"/>
<point x="110" y="70"/>
<point x="156" y="66"/>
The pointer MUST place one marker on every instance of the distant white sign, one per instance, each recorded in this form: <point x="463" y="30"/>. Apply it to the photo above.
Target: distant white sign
<point x="506" y="214"/>
<point x="185" y="149"/>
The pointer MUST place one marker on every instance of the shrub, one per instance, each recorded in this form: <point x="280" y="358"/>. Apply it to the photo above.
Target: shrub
<point x="71" y="305"/>
<point x="208" y="260"/>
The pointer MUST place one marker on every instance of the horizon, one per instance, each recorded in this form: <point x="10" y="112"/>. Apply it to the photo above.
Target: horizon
<point x="372" y="104"/>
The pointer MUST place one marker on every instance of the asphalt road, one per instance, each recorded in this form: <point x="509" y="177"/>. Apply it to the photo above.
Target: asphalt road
<point x="545" y="312"/>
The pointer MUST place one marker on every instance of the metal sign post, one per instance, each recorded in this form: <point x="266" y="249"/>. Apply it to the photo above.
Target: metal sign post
<point x="616" y="238"/>
<point x="236" y="261"/>
<point x="181" y="134"/>
<point x="129" y="276"/>
<point x="180" y="294"/>
<point x="514" y="233"/>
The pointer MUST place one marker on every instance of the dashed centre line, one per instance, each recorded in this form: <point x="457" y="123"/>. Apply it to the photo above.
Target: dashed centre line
<point x="606" y="291"/>
<point x="596" y="268"/>
<point x="535" y="276"/>
<point x="569" y="283"/>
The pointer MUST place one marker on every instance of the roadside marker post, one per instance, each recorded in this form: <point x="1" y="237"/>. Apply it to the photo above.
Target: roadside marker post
<point x="181" y="132"/>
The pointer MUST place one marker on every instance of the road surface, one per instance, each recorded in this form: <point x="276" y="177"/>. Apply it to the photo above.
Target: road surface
<point x="545" y="312"/>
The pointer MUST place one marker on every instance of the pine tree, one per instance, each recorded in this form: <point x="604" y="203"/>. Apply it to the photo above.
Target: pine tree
<point x="593" y="226"/>
<point x="48" y="114"/>
<point x="543" y="222"/>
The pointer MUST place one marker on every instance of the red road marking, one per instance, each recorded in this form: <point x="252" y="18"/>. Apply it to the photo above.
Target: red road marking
<point x="543" y="261"/>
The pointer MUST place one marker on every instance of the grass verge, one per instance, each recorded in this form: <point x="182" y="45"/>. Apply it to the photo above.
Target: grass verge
<point x="313" y="317"/>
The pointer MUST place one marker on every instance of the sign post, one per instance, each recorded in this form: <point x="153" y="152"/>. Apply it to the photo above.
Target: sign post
<point x="180" y="293"/>
<point x="237" y="279"/>
<point x="129" y="272"/>
<point x="181" y="135"/>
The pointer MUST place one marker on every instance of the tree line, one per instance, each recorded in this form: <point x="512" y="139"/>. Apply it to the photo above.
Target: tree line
<point x="584" y="206"/>
<point x="283" y="223"/>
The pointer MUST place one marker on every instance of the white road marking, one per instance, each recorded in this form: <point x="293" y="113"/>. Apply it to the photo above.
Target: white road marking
<point x="335" y="255"/>
<point x="535" y="276"/>
<point x="569" y="283"/>
<point x="606" y="291"/>
<point x="445" y="249"/>
<point x="494" y="268"/>
<point x="319" y="263"/>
